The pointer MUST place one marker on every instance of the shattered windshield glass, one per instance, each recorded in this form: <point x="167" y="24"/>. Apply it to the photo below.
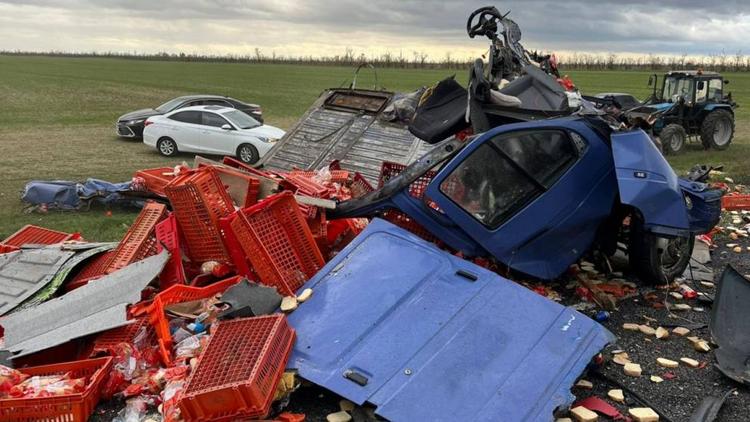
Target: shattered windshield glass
<point x="674" y="88"/>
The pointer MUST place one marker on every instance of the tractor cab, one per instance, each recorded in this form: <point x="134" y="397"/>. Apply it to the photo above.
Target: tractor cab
<point x="690" y="87"/>
<point x="689" y="104"/>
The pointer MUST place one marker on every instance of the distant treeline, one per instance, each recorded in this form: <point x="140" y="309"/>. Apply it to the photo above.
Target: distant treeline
<point x="722" y="62"/>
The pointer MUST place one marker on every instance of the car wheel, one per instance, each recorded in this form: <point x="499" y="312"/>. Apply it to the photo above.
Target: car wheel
<point x="167" y="147"/>
<point x="657" y="260"/>
<point x="717" y="130"/>
<point x="673" y="138"/>
<point x="248" y="154"/>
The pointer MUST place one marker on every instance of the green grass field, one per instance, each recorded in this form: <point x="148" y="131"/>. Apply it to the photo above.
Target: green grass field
<point x="57" y="119"/>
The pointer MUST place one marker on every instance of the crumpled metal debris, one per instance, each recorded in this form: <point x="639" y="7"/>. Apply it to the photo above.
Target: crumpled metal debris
<point x="90" y="309"/>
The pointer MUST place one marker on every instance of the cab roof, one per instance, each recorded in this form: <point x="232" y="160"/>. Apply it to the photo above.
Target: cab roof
<point x="692" y="73"/>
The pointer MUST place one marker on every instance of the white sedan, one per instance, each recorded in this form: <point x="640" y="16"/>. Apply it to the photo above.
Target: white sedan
<point x="210" y="130"/>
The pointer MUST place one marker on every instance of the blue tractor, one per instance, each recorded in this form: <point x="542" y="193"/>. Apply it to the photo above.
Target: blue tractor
<point x="687" y="104"/>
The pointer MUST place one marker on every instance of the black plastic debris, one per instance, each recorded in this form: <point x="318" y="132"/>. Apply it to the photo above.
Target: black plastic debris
<point x="708" y="409"/>
<point x="730" y="317"/>
<point x="246" y="299"/>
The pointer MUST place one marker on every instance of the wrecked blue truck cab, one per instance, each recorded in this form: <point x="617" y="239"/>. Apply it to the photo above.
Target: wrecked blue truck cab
<point x="537" y="196"/>
<point x="426" y="336"/>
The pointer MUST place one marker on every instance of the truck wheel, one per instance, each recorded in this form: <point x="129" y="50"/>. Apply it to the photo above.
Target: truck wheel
<point x="673" y="138"/>
<point x="717" y="130"/>
<point x="657" y="260"/>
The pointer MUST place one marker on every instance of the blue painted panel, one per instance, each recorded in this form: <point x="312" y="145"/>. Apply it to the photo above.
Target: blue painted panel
<point x="648" y="183"/>
<point x="431" y="344"/>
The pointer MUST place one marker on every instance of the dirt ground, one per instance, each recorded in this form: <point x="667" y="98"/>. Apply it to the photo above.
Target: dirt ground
<point x="675" y="399"/>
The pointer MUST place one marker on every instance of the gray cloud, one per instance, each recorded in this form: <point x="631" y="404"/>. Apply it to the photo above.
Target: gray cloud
<point x="693" y="27"/>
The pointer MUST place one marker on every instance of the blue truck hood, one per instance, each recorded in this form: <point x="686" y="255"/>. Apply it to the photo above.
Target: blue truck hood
<point x="424" y="335"/>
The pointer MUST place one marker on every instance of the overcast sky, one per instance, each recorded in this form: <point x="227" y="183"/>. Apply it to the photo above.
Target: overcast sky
<point x="329" y="27"/>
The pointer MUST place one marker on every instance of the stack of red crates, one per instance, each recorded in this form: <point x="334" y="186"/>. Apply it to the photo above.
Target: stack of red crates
<point x="275" y="237"/>
<point x="238" y="372"/>
<point x="199" y="200"/>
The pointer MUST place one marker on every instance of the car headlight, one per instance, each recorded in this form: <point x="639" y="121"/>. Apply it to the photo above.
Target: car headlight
<point x="262" y="138"/>
<point x="135" y="122"/>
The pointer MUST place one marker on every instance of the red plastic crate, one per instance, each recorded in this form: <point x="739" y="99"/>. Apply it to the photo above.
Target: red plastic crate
<point x="253" y="189"/>
<point x="239" y="370"/>
<point x="735" y="202"/>
<point x="307" y="186"/>
<point x="278" y="243"/>
<point x="407" y="223"/>
<point x="360" y="186"/>
<point x="239" y="165"/>
<point x="318" y="227"/>
<point x="176" y="294"/>
<point x="140" y="240"/>
<point x="106" y="341"/>
<point x="417" y="189"/>
<point x="337" y="176"/>
<point x="94" y="268"/>
<point x="68" y="408"/>
<point x="168" y="237"/>
<point x="253" y="183"/>
<point x="30" y="234"/>
<point x="156" y="179"/>
<point x="199" y="200"/>
<point x="8" y="248"/>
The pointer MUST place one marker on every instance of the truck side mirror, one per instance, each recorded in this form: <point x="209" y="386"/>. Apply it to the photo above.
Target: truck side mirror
<point x="651" y="80"/>
<point x="726" y="82"/>
<point x="701" y="85"/>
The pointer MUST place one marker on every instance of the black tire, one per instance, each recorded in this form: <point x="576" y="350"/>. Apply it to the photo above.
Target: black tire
<point x="717" y="130"/>
<point x="657" y="260"/>
<point x="673" y="139"/>
<point x="248" y="154"/>
<point x="167" y="147"/>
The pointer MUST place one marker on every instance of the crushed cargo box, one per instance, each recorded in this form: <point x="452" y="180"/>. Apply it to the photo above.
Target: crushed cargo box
<point x="346" y="125"/>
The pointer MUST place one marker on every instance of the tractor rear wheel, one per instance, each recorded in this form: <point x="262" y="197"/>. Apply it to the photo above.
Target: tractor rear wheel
<point x="673" y="138"/>
<point x="717" y="130"/>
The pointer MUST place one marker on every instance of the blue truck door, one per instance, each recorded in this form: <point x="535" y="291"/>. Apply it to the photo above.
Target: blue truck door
<point x="532" y="195"/>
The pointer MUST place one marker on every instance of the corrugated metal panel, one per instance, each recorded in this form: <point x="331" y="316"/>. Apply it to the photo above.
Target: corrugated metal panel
<point x="424" y="335"/>
<point x="359" y="140"/>
<point x="25" y="272"/>
<point x="89" y="309"/>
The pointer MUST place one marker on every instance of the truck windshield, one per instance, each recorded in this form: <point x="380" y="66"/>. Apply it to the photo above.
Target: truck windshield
<point x="506" y="173"/>
<point x="674" y="88"/>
